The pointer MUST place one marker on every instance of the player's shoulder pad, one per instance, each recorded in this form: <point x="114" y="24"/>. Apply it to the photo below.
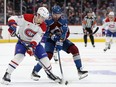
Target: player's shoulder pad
<point x="115" y="20"/>
<point x="12" y="18"/>
<point x="107" y="20"/>
<point x="28" y="17"/>
<point x="63" y="19"/>
<point x="43" y="26"/>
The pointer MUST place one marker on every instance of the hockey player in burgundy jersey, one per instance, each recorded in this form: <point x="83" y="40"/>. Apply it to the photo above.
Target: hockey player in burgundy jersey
<point x="30" y="32"/>
<point x="57" y="38"/>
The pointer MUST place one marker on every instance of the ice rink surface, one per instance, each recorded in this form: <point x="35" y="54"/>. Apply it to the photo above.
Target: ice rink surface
<point x="101" y="66"/>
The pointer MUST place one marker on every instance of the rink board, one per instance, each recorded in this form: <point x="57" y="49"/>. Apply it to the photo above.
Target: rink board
<point x="76" y="35"/>
<point x="73" y="40"/>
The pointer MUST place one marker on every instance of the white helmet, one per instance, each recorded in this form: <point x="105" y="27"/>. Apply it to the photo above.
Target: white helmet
<point x="43" y="12"/>
<point x="111" y="13"/>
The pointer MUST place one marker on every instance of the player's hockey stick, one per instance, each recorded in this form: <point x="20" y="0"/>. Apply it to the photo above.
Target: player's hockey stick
<point x="48" y="71"/>
<point x="66" y="82"/>
<point x="89" y="34"/>
<point x="96" y="30"/>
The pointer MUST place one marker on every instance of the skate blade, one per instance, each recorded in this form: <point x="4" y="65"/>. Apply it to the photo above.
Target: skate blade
<point x="35" y="78"/>
<point x="60" y="81"/>
<point x="83" y="76"/>
<point x="105" y="50"/>
<point x="5" y="82"/>
<point x="55" y="60"/>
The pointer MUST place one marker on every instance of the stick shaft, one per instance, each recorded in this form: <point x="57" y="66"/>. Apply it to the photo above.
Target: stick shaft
<point x="60" y="63"/>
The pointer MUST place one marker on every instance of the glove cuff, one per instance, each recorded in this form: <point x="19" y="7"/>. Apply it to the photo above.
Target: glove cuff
<point x="12" y="22"/>
<point x="11" y="31"/>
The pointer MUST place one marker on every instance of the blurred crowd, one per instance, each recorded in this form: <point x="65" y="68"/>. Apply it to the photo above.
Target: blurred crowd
<point x="75" y="10"/>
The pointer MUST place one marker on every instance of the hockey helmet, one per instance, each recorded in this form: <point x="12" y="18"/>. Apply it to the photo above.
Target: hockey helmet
<point x="111" y="13"/>
<point x="43" y="12"/>
<point x="56" y="9"/>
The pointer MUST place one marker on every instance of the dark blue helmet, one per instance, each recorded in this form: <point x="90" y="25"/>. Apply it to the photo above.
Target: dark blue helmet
<point x="56" y="9"/>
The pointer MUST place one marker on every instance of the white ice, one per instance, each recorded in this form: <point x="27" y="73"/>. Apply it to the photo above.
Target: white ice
<point x="101" y="66"/>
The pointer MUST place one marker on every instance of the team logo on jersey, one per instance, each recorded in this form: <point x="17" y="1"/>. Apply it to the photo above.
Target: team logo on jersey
<point x="30" y="32"/>
<point x="111" y="26"/>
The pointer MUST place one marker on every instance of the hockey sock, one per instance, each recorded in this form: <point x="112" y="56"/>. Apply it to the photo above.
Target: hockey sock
<point x="107" y="44"/>
<point x="37" y="67"/>
<point x="92" y="39"/>
<point x="14" y="63"/>
<point x="77" y="61"/>
<point x="85" y="39"/>
<point x="46" y="64"/>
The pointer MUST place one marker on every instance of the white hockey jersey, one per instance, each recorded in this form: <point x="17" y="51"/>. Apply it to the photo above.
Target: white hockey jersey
<point x="109" y="25"/>
<point x="28" y="30"/>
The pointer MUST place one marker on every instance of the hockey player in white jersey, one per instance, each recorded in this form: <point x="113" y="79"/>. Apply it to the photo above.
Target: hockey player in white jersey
<point x="30" y="33"/>
<point x="109" y="25"/>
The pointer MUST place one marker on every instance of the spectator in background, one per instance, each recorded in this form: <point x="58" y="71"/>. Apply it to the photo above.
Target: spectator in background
<point x="1" y="6"/>
<point x="1" y="32"/>
<point x="1" y="18"/>
<point x="71" y="18"/>
<point x="72" y="6"/>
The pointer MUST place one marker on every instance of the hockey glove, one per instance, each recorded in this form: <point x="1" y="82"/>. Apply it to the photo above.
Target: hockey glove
<point x="33" y="44"/>
<point x="85" y="31"/>
<point x="30" y="51"/>
<point x="32" y="47"/>
<point x="55" y="38"/>
<point x="12" y="29"/>
<point x="59" y="45"/>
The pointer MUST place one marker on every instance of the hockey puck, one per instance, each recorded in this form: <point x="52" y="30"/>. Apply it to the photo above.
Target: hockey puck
<point x="66" y="82"/>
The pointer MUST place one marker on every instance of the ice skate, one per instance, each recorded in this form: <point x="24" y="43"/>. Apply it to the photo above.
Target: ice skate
<point x="35" y="76"/>
<point x="93" y="45"/>
<point x="6" y="79"/>
<point x="105" y="49"/>
<point x="109" y="46"/>
<point x="85" y="45"/>
<point x="55" y="58"/>
<point x="82" y="74"/>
